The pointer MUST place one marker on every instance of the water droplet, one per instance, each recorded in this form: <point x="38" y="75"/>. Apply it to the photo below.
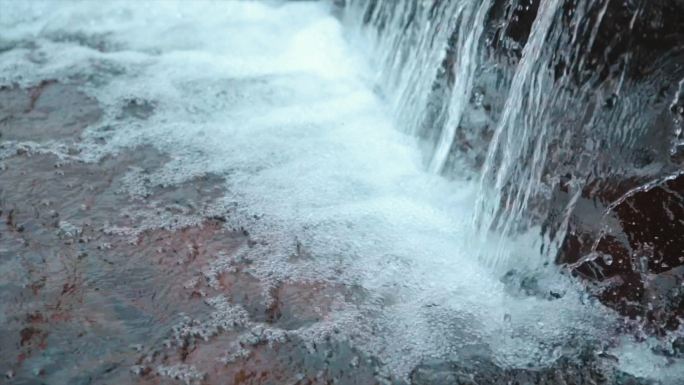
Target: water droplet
<point x="608" y="259"/>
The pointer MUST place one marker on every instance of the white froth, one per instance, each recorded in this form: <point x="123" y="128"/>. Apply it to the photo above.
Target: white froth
<point x="273" y="98"/>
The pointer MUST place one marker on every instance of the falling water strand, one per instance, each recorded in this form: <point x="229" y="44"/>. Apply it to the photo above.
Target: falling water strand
<point x="408" y="42"/>
<point x="469" y="34"/>
<point x="512" y="133"/>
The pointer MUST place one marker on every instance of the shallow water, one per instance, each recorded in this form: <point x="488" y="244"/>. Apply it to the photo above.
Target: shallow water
<point x="239" y="168"/>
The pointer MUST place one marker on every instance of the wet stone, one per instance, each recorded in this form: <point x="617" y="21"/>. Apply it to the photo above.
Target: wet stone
<point x="67" y="298"/>
<point x="137" y="108"/>
<point x="481" y="370"/>
<point x="634" y="251"/>
<point x="97" y="269"/>
<point x="46" y="111"/>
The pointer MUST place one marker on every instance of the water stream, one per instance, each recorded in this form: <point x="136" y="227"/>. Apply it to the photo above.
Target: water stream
<point x="334" y="145"/>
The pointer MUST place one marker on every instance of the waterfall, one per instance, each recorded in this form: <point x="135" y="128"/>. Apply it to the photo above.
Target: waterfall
<point x="516" y="133"/>
<point x="408" y="45"/>
<point x="469" y="34"/>
<point x="539" y="100"/>
<point x="397" y="191"/>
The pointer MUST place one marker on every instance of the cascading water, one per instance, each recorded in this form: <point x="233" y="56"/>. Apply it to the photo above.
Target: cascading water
<point x="561" y="107"/>
<point x="348" y="160"/>
<point x="565" y="111"/>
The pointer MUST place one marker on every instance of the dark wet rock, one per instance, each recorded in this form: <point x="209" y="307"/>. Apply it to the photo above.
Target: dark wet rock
<point x="137" y="108"/>
<point x="481" y="371"/>
<point x="634" y="249"/>
<point x="46" y="111"/>
<point x="645" y="33"/>
<point x="73" y="292"/>
<point x="291" y="308"/>
<point x="135" y="264"/>
<point x="527" y="284"/>
<point x="327" y="362"/>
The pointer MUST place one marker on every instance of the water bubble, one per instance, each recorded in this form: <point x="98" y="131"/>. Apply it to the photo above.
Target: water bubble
<point x="608" y="259"/>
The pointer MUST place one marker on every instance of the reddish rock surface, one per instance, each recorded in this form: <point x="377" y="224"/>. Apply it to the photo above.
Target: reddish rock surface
<point x="47" y="111"/>
<point x="635" y="251"/>
<point x="108" y="275"/>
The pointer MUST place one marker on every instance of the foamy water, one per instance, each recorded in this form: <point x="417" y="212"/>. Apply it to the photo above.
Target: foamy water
<point x="273" y="98"/>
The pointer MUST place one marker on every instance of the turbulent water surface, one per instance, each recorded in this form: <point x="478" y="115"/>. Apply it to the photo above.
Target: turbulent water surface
<point x="227" y="197"/>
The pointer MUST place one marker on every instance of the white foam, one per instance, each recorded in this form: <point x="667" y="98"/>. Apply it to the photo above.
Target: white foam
<point x="273" y="98"/>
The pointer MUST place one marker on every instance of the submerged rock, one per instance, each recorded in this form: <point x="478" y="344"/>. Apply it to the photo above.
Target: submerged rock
<point x="46" y="111"/>
<point x="481" y="371"/>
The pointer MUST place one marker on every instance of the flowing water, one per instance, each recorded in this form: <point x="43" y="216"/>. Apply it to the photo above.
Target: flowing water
<point x="332" y="143"/>
<point x="537" y="91"/>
